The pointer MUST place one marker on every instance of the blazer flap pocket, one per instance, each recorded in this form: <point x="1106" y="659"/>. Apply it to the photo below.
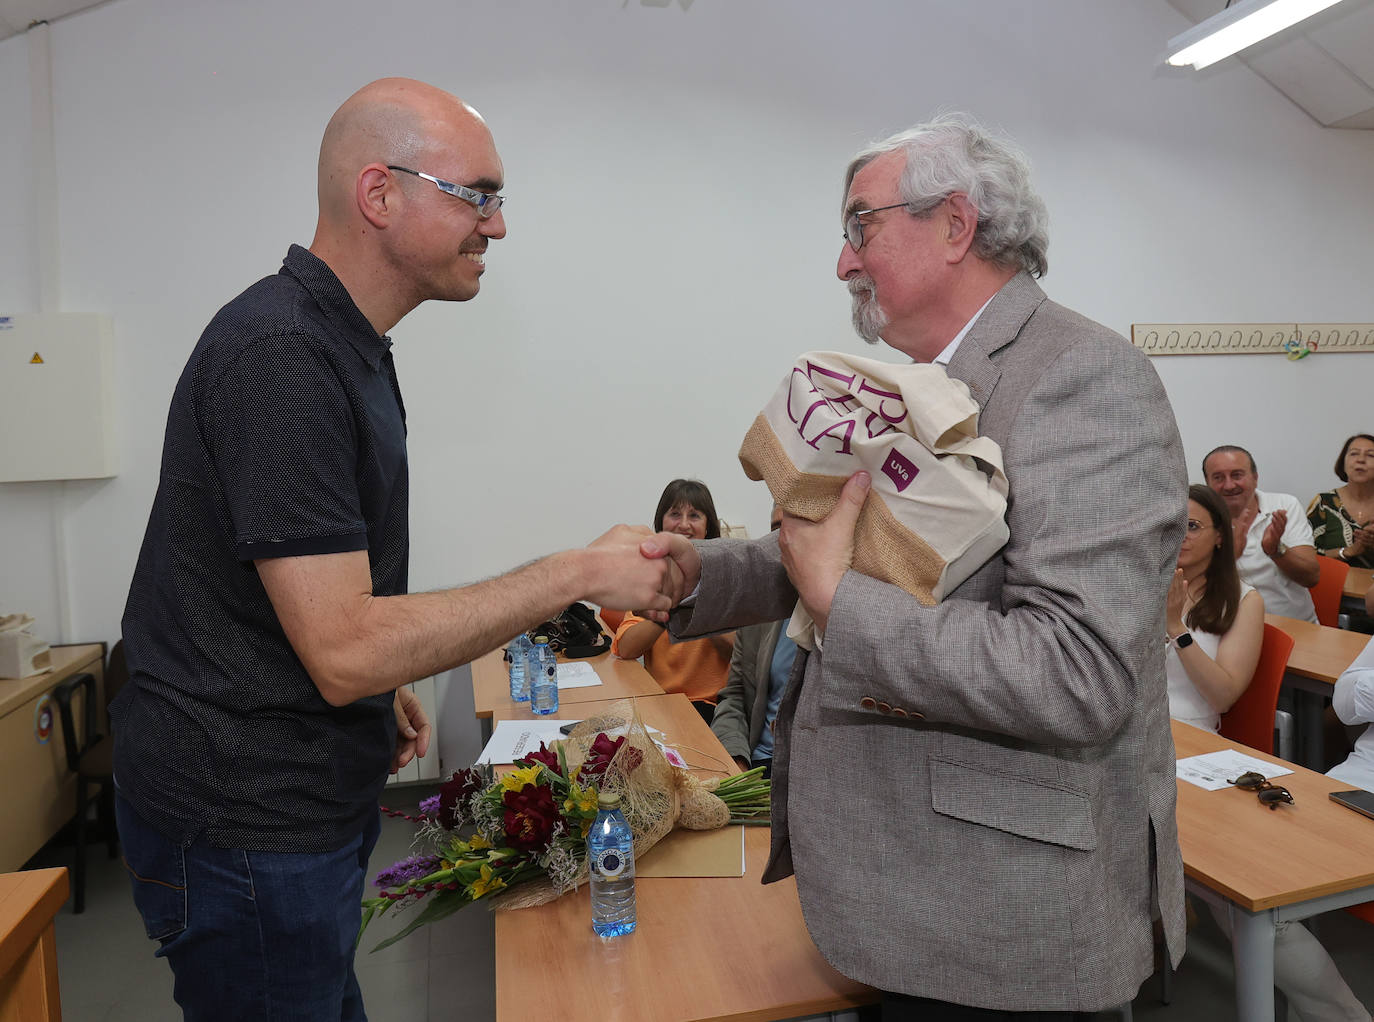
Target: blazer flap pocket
<point x="1030" y="808"/>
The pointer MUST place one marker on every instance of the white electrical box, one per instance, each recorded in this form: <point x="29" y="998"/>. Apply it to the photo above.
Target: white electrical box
<point x="56" y="397"/>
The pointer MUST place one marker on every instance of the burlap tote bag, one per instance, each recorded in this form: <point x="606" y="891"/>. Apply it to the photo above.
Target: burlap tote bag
<point x="941" y="493"/>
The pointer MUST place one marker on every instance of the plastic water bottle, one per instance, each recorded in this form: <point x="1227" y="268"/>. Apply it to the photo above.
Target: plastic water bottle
<point x="519" y="668"/>
<point x="611" y="868"/>
<point x="543" y="674"/>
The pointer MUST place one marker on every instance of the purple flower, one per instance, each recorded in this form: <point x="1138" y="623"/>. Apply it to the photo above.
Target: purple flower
<point x="429" y="806"/>
<point x="407" y="870"/>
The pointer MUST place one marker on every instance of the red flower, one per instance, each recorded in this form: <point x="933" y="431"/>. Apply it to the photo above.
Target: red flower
<point x="530" y="817"/>
<point x="545" y="755"/>
<point x="454" y="796"/>
<point x="601" y="753"/>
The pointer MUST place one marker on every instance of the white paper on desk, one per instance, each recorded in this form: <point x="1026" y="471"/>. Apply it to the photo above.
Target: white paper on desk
<point x="515" y="739"/>
<point x="577" y="675"/>
<point x="1213" y="771"/>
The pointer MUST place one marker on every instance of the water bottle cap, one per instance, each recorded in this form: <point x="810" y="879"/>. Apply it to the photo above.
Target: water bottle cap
<point x="608" y="800"/>
<point x="541" y="640"/>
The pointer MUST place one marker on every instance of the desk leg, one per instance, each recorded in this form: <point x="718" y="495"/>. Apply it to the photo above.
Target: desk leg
<point x="1252" y="949"/>
<point x="1312" y="710"/>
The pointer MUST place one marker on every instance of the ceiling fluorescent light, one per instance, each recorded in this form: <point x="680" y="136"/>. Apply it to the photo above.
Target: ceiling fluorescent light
<point x="1240" y="25"/>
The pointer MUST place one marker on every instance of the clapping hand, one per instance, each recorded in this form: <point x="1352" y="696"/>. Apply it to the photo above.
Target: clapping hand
<point x="1362" y="541"/>
<point x="1175" y="604"/>
<point x="1273" y="534"/>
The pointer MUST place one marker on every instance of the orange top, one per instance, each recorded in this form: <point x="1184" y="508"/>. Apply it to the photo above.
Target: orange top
<point x="695" y="667"/>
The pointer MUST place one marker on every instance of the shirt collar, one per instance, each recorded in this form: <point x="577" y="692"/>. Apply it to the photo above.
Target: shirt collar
<point x="314" y="274"/>
<point x="953" y="346"/>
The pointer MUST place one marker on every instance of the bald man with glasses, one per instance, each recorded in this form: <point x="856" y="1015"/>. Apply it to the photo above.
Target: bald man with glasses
<point x="268" y="629"/>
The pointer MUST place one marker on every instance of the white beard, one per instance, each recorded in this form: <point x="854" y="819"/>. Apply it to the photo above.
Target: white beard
<point x="868" y="317"/>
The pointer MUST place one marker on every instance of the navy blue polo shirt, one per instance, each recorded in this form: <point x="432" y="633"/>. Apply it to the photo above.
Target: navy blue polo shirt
<point x="286" y="436"/>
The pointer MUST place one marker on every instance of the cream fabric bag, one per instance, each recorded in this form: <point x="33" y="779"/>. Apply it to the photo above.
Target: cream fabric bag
<point x="942" y="490"/>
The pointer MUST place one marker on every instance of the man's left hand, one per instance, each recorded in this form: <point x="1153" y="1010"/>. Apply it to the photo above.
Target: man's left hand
<point x="412" y="728"/>
<point x="1273" y="535"/>
<point x="817" y="554"/>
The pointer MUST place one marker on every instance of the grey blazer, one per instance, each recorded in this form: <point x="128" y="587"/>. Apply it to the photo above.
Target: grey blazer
<point x="977" y="798"/>
<point x="742" y="704"/>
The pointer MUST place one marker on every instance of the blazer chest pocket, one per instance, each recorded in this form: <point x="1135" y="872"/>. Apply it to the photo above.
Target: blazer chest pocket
<point x="1024" y="806"/>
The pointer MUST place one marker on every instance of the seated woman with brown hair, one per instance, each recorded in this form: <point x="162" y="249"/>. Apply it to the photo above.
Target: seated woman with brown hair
<point x="1223" y="621"/>
<point x="1343" y="519"/>
<point x="1214" y="621"/>
<point x="697" y="668"/>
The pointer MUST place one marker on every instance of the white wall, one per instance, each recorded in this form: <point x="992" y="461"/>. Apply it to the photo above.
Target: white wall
<point x="674" y="193"/>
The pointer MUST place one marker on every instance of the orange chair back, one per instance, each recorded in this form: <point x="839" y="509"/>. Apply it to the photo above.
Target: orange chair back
<point x="1326" y="594"/>
<point x="1251" y="720"/>
<point x="611" y="618"/>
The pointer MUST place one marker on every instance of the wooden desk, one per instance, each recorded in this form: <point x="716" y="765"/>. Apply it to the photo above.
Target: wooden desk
<point x="619" y="679"/>
<point x="1268" y="866"/>
<point x="28" y="946"/>
<point x="40" y="793"/>
<point x="1357" y="583"/>
<point x="1319" y="656"/>
<point x="705" y="948"/>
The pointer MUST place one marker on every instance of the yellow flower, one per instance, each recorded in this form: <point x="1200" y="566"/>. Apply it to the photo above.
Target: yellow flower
<point x="580" y="799"/>
<point x="487" y="883"/>
<point x="518" y="779"/>
<point x="478" y="841"/>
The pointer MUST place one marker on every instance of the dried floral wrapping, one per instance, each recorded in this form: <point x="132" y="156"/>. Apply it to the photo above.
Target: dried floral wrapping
<point x="527" y="830"/>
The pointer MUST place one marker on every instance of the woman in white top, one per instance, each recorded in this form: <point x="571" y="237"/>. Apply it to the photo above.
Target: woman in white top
<point x="1215" y="626"/>
<point x="1215" y="622"/>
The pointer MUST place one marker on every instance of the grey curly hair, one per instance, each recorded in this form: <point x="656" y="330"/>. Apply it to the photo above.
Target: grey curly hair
<point x="954" y="154"/>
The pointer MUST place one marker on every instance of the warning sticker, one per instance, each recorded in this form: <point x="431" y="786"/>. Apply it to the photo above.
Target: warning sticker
<point x="37" y="359"/>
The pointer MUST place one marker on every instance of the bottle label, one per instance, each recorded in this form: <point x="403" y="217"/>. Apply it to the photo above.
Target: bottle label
<point x="611" y="862"/>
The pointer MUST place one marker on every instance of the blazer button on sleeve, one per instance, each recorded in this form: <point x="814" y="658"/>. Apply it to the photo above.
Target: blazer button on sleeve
<point x="868" y="703"/>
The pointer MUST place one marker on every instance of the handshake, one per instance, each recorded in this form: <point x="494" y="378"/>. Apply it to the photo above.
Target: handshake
<point x="631" y="567"/>
<point x="635" y="569"/>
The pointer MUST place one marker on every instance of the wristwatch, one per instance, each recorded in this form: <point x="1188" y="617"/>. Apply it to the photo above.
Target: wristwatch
<point x="1182" y="641"/>
<point x="1283" y="549"/>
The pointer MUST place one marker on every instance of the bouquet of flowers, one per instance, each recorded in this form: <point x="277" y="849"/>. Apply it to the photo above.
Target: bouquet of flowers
<point x="520" y="840"/>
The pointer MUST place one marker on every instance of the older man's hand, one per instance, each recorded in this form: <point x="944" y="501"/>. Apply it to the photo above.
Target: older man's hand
<point x="817" y="554"/>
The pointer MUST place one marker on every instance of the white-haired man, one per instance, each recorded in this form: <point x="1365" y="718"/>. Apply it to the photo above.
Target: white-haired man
<point x="977" y="798"/>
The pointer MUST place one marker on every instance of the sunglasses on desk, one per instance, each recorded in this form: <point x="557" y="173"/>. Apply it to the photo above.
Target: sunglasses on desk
<point x="1269" y="794"/>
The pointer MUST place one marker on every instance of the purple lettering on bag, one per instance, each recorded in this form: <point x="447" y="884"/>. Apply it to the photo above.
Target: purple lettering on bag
<point x="900" y="470"/>
<point x="846" y="427"/>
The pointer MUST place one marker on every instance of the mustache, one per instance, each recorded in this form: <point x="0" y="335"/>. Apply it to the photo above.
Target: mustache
<point x="860" y="284"/>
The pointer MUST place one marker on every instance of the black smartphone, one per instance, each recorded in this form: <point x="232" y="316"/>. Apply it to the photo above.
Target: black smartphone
<point x="567" y="728"/>
<point x="1358" y="799"/>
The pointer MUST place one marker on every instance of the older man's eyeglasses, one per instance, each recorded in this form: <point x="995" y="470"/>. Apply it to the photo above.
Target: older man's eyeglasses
<point x="854" y="225"/>
<point x="486" y="203"/>
<point x="1269" y="794"/>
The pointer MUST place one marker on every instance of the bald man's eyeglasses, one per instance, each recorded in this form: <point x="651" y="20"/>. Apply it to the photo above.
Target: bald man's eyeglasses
<point x="486" y="203"/>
